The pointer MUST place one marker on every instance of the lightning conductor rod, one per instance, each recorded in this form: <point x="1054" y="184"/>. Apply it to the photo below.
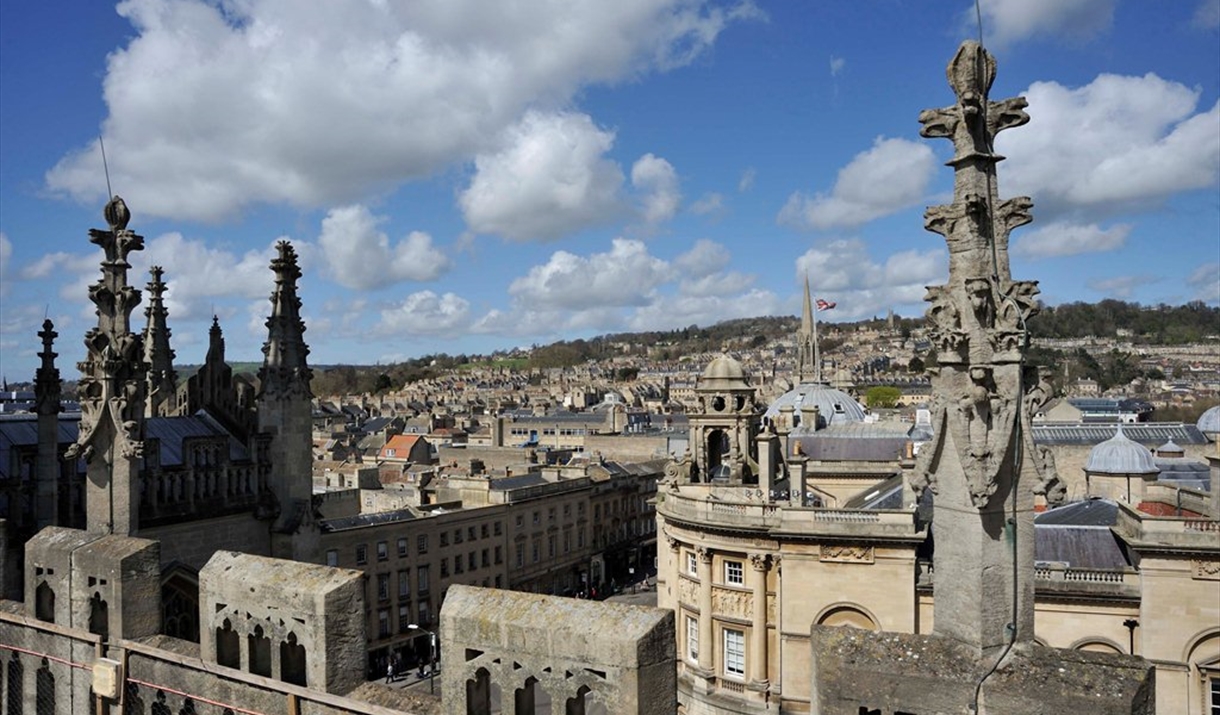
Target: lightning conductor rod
<point x="105" y="166"/>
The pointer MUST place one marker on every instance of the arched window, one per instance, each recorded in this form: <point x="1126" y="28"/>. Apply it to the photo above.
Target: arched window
<point x="228" y="647"/>
<point x="478" y="693"/>
<point x="44" y="686"/>
<point x="44" y="603"/>
<point x="180" y="613"/>
<point x="260" y="652"/>
<point x="849" y="616"/>
<point x="99" y="616"/>
<point x="292" y="661"/>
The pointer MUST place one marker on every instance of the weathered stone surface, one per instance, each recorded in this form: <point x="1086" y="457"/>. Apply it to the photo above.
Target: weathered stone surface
<point x="316" y="607"/>
<point x="894" y="672"/>
<point x="621" y="655"/>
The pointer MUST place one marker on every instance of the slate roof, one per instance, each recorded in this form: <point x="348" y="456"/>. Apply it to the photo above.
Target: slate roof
<point x="343" y="523"/>
<point x="171" y="431"/>
<point x="1149" y="434"/>
<point x="1080" y="547"/>
<point x="1088" y="512"/>
<point x="21" y="430"/>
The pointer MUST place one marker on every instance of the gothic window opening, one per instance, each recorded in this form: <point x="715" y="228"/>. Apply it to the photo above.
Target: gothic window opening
<point x="260" y="652"/>
<point x="292" y="661"/>
<point x="99" y="616"/>
<point x="228" y="646"/>
<point x="16" y="675"/>
<point x="530" y="698"/>
<point x="44" y="603"/>
<point x="478" y="693"/>
<point x="44" y="687"/>
<point x="180" y="609"/>
<point x="585" y="703"/>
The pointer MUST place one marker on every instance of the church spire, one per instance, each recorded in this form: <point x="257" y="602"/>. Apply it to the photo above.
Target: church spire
<point x="162" y="381"/>
<point x="112" y="385"/>
<point x="47" y="404"/>
<point x="47" y="384"/>
<point x="807" y="342"/>
<point x="285" y="371"/>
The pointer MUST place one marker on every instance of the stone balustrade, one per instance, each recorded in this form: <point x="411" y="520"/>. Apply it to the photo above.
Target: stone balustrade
<point x="711" y="505"/>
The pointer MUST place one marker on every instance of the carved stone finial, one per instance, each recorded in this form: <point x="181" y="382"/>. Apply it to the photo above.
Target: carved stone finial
<point x="116" y="214"/>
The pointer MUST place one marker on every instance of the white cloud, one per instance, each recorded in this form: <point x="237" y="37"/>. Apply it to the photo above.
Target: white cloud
<point x="359" y="255"/>
<point x="891" y="176"/>
<point x="709" y="204"/>
<point x="716" y="284"/>
<point x="1069" y="239"/>
<point x="746" y="182"/>
<point x="426" y="313"/>
<point x="1207" y="15"/>
<point x="842" y="271"/>
<point x="627" y="275"/>
<point x="703" y="259"/>
<point x="78" y="271"/>
<point x="1009" y="21"/>
<point x="1120" y="286"/>
<point x="1205" y="282"/>
<point x="658" y="181"/>
<point x="248" y="102"/>
<point x="6" y="255"/>
<point x="1116" y="141"/>
<point x="550" y="178"/>
<point x="836" y="65"/>
<point x="674" y="312"/>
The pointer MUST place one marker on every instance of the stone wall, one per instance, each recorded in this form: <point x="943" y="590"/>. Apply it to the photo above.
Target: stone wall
<point x="283" y="619"/>
<point x="588" y="656"/>
<point x="193" y="542"/>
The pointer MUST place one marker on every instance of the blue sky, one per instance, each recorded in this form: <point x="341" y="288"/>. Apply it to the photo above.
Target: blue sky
<point x="461" y="177"/>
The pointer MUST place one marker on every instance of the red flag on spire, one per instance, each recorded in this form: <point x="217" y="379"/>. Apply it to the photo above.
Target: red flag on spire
<point x="825" y="305"/>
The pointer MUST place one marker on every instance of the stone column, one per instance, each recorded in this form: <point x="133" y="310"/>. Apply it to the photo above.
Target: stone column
<point x="758" y="628"/>
<point x="706" y="646"/>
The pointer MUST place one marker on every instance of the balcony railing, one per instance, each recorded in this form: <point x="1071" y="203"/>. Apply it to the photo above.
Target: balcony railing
<point x="723" y="507"/>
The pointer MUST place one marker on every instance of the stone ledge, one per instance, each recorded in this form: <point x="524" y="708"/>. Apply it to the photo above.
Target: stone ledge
<point x="931" y="674"/>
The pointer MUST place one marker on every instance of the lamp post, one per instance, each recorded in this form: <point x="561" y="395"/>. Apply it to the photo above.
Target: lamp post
<point x="431" y="655"/>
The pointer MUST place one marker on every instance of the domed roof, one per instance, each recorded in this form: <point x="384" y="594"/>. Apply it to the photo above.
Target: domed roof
<point x="1209" y="422"/>
<point x="724" y="373"/>
<point x="834" y="406"/>
<point x="1119" y="455"/>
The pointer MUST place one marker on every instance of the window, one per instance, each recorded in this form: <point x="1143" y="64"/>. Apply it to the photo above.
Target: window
<point x="383" y="550"/>
<point x="383" y="587"/>
<point x="692" y="638"/>
<point x="487" y="558"/>
<point x="692" y="563"/>
<point x="520" y="520"/>
<point x="499" y="556"/>
<point x="362" y="554"/>
<point x="550" y="546"/>
<point x="483" y="530"/>
<point x="498" y="582"/>
<point x="421" y="543"/>
<point x="402" y="548"/>
<point x="422" y="579"/>
<point x="550" y="515"/>
<point x="537" y="517"/>
<point x="404" y="618"/>
<point x="580" y="509"/>
<point x="567" y="542"/>
<point x="567" y="510"/>
<point x="734" y="652"/>
<point x="445" y="567"/>
<point x="733" y="573"/>
<point x="383" y="622"/>
<point x="404" y="584"/>
<point x="497" y="529"/>
<point x="424" y="617"/>
<point x="520" y="555"/>
<point x="470" y="533"/>
<point x="457" y="564"/>
<point x="580" y="538"/>
<point x="472" y="561"/>
<point x="537" y="551"/>
<point x="444" y="538"/>
<point x="457" y="536"/>
<point x="332" y="557"/>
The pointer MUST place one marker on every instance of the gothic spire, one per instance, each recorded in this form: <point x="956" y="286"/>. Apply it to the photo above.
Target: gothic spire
<point x="162" y="381"/>
<point x="47" y="384"/>
<point x="216" y="343"/>
<point x="285" y="370"/>
<point x="112" y="385"/>
<point x="806" y="342"/>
